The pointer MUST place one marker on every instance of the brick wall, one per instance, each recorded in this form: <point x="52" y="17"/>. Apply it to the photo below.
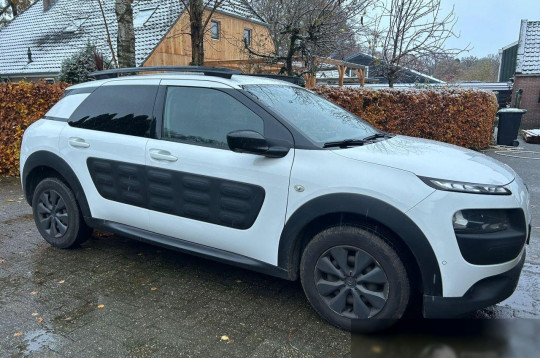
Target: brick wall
<point x="529" y="100"/>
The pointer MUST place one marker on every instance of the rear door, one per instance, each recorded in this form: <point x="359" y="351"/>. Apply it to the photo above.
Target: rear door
<point x="201" y="191"/>
<point x="105" y="145"/>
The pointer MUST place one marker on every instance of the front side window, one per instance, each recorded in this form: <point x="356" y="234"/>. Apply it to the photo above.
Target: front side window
<point x="215" y="29"/>
<point x="247" y="36"/>
<point x="319" y="119"/>
<point x="124" y="109"/>
<point x="204" y="116"/>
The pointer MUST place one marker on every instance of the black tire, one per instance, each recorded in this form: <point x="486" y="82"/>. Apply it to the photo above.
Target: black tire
<point x="369" y="291"/>
<point x="57" y="215"/>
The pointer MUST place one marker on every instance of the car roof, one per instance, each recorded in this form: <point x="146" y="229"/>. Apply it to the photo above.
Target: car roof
<point x="236" y="81"/>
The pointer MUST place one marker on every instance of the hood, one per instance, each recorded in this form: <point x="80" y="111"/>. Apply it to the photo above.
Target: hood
<point x="433" y="159"/>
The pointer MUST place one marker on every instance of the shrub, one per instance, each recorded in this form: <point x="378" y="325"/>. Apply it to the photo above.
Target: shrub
<point x="76" y="68"/>
<point x="458" y="116"/>
<point x="461" y="117"/>
<point x="21" y="104"/>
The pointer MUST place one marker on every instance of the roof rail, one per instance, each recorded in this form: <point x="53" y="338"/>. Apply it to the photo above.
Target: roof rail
<point x="297" y="80"/>
<point x="207" y="71"/>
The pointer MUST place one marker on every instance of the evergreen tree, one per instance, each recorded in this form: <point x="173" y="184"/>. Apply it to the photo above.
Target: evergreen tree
<point x="76" y="68"/>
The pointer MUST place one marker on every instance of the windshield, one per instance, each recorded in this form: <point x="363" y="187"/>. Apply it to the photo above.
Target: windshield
<point x="319" y="120"/>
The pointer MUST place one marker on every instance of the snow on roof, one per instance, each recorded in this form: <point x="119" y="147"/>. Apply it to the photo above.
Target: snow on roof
<point x="436" y="80"/>
<point x="528" y="58"/>
<point x="69" y="25"/>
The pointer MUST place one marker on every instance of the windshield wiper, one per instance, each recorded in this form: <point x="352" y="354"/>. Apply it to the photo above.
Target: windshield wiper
<point x="376" y="136"/>
<point x="345" y="143"/>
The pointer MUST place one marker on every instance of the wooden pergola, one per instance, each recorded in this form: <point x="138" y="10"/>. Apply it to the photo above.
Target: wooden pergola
<point x="259" y="65"/>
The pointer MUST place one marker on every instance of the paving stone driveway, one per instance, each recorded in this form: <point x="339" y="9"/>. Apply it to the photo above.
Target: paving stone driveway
<point x="121" y="298"/>
<point x="118" y="297"/>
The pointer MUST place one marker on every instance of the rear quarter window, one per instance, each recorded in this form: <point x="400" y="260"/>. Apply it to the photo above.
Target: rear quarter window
<point x="122" y="109"/>
<point x="64" y="108"/>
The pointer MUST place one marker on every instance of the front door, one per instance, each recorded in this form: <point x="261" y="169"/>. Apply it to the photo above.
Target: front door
<point x="202" y="192"/>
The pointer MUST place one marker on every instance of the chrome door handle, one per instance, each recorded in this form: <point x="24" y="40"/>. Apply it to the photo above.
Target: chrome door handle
<point x="78" y="143"/>
<point x="162" y="155"/>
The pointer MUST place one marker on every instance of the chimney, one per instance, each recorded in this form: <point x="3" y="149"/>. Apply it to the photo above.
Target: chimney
<point x="47" y="5"/>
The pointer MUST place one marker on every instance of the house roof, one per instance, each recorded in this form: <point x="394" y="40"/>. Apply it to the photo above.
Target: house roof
<point x="69" y="25"/>
<point x="375" y="70"/>
<point x="528" y="57"/>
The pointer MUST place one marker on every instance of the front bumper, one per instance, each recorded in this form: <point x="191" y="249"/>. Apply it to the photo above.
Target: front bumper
<point x="434" y="217"/>
<point x="484" y="293"/>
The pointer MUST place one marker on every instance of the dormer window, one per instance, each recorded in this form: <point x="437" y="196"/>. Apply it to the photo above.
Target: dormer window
<point x="142" y="16"/>
<point x="75" y="24"/>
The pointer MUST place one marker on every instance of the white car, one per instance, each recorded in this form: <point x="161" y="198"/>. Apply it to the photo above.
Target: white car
<point x="266" y="175"/>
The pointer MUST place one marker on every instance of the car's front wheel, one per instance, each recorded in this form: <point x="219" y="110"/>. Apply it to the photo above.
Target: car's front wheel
<point x="57" y="214"/>
<point x="354" y="278"/>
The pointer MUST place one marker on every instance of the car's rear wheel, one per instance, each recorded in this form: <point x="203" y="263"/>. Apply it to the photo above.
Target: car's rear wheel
<point x="57" y="214"/>
<point x="355" y="279"/>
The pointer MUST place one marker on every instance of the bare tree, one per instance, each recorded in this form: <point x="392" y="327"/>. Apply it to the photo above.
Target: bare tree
<point x="125" y="41"/>
<point x="447" y="69"/>
<point x="308" y="29"/>
<point x="415" y="29"/>
<point x="198" y="24"/>
<point x="485" y="69"/>
<point x="109" y="42"/>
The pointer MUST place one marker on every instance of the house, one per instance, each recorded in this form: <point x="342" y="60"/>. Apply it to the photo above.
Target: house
<point x="527" y="76"/>
<point x="374" y="72"/>
<point x="508" y="59"/>
<point x="36" y="42"/>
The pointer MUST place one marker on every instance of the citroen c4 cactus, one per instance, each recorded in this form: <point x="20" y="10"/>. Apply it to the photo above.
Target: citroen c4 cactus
<point x="266" y="175"/>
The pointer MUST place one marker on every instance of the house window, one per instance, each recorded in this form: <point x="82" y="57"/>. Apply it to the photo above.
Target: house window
<point x="143" y="16"/>
<point x="215" y="28"/>
<point x="75" y="24"/>
<point x="247" y="36"/>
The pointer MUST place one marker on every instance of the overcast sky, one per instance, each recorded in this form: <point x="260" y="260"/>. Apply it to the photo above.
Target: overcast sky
<point x="489" y="25"/>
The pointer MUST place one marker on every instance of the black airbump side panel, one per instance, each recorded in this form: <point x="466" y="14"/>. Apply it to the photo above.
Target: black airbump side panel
<point x="118" y="181"/>
<point x="209" y="199"/>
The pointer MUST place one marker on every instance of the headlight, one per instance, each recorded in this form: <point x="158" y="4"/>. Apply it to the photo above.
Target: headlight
<point x="461" y="187"/>
<point x="480" y="221"/>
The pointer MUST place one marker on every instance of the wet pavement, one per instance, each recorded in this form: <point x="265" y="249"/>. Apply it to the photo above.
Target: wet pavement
<point x="117" y="297"/>
<point x="121" y="298"/>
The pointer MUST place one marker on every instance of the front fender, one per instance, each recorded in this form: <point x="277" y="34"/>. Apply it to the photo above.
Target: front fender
<point x="370" y="208"/>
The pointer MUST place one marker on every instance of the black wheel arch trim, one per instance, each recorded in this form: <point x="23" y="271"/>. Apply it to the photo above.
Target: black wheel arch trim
<point x="373" y="209"/>
<point x="47" y="159"/>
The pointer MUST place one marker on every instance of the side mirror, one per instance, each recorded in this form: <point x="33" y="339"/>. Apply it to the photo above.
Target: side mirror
<point x="245" y="141"/>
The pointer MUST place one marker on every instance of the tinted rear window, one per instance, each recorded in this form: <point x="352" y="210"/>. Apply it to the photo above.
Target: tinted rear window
<point x="117" y="109"/>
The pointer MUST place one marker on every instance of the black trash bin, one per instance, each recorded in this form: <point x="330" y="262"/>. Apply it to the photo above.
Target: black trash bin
<point x="509" y="123"/>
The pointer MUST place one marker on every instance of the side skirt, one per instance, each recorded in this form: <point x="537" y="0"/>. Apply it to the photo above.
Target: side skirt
<point x="188" y="247"/>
